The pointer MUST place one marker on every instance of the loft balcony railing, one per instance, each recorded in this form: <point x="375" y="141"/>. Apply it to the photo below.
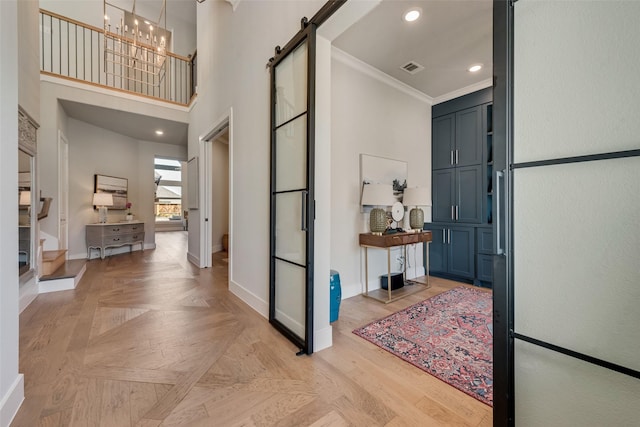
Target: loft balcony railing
<point x="78" y="51"/>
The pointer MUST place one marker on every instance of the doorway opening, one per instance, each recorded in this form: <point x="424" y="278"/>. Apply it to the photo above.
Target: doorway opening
<point x="216" y="177"/>
<point x="168" y="204"/>
<point x="220" y="197"/>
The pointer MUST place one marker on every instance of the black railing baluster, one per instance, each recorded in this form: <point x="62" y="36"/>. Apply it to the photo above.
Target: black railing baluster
<point x="68" y="50"/>
<point x="172" y="81"/>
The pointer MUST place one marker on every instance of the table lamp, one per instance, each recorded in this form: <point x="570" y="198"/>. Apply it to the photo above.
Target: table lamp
<point x="416" y="197"/>
<point x="102" y="200"/>
<point x="377" y="195"/>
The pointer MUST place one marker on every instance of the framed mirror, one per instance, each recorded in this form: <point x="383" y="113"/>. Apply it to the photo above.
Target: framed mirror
<point x="27" y="201"/>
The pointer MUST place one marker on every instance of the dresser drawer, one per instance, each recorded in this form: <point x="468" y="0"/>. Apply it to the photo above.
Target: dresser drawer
<point x="102" y="236"/>
<point x="119" y="229"/>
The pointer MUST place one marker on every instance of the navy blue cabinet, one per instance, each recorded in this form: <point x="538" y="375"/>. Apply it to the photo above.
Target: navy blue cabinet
<point x="443" y="194"/>
<point x="484" y="257"/>
<point x="451" y="250"/>
<point x="456" y="194"/>
<point x="456" y="139"/>
<point x="443" y="136"/>
<point x="462" y="189"/>
<point x="468" y="150"/>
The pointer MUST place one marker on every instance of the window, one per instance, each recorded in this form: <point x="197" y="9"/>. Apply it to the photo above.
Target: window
<point x="168" y="179"/>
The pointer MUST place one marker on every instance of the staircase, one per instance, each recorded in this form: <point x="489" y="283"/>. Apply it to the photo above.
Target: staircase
<point x="58" y="274"/>
<point x="52" y="260"/>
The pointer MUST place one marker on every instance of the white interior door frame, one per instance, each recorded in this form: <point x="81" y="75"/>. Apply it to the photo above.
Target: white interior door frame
<point x="206" y="178"/>
<point x="63" y="190"/>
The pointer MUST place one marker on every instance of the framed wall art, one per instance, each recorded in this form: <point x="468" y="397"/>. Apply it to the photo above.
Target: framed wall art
<point x="116" y="186"/>
<point x="381" y="170"/>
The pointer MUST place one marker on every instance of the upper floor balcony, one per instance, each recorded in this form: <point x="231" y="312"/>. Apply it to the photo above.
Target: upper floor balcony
<point x="119" y="56"/>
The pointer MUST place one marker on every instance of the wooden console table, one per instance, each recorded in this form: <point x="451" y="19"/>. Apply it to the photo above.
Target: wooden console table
<point x="387" y="241"/>
<point x="111" y="235"/>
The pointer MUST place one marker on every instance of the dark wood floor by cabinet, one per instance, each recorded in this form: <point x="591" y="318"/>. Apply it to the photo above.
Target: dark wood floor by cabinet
<point x="147" y="339"/>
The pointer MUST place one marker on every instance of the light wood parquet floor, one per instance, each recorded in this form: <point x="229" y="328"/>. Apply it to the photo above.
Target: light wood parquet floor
<point x="149" y="340"/>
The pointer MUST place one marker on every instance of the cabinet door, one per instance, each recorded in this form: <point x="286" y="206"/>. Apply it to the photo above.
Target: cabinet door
<point x="485" y="267"/>
<point x="443" y="194"/>
<point x="443" y="141"/>
<point x="438" y="250"/>
<point x="469" y="137"/>
<point x="468" y="191"/>
<point x="461" y="252"/>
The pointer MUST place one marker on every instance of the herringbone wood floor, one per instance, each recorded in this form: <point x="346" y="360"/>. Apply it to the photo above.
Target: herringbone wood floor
<point x="148" y="340"/>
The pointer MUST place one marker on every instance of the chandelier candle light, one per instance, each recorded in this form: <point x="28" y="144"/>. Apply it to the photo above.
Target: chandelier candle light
<point x="416" y="197"/>
<point x="135" y="48"/>
<point x="377" y="195"/>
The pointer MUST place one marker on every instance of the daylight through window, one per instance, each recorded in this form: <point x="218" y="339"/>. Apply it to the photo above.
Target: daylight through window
<point x="168" y="179"/>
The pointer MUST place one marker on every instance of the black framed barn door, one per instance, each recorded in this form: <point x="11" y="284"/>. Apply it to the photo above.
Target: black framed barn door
<point x="566" y="266"/>
<point x="292" y="189"/>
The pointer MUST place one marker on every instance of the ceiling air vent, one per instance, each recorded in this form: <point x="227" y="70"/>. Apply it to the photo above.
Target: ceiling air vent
<point x="412" y="67"/>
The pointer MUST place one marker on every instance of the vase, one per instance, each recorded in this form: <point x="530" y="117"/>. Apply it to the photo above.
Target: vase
<point x="129" y="217"/>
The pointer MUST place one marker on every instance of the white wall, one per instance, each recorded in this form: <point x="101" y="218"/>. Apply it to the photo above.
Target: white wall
<point x="234" y="47"/>
<point x="220" y="193"/>
<point x="29" y="60"/>
<point x="11" y="383"/>
<point x="54" y="118"/>
<point x="93" y="150"/>
<point x="370" y="117"/>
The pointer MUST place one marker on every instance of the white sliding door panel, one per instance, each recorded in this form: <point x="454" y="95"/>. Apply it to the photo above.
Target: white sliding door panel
<point x="290" y="298"/>
<point x="571" y="392"/>
<point x="292" y="189"/>
<point x="576" y="85"/>
<point x="291" y="85"/>
<point x="291" y="152"/>
<point x="575" y="224"/>
<point x="577" y="264"/>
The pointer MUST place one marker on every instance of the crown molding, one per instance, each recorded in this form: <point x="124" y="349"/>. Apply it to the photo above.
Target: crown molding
<point x="363" y="67"/>
<point x="463" y="91"/>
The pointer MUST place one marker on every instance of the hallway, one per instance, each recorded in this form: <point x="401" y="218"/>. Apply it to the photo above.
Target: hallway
<point x="147" y="340"/>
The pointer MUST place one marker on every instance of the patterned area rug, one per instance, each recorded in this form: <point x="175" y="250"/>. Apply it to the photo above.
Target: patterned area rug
<point x="450" y="336"/>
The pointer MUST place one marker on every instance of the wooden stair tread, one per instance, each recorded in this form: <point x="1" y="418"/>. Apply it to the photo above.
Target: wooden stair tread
<point x="53" y="255"/>
<point x="68" y="269"/>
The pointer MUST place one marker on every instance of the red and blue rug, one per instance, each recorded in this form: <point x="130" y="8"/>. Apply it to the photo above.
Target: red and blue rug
<point x="449" y="336"/>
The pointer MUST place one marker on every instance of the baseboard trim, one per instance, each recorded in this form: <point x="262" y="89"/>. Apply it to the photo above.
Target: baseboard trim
<point x="11" y="401"/>
<point x="351" y="290"/>
<point x="28" y="293"/>
<point x="322" y="338"/>
<point x="252" y="300"/>
<point x="216" y="248"/>
<point x="57" y="285"/>
<point x="195" y="260"/>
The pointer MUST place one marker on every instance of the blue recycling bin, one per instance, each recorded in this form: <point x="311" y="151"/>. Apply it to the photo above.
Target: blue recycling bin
<point x="335" y="296"/>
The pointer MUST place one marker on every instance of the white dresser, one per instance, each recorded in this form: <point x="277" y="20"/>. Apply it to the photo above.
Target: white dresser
<point x="110" y="235"/>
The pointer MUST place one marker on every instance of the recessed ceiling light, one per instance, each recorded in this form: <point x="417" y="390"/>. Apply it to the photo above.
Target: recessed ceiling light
<point x="159" y="132"/>
<point x="412" y="14"/>
<point x="475" y="68"/>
